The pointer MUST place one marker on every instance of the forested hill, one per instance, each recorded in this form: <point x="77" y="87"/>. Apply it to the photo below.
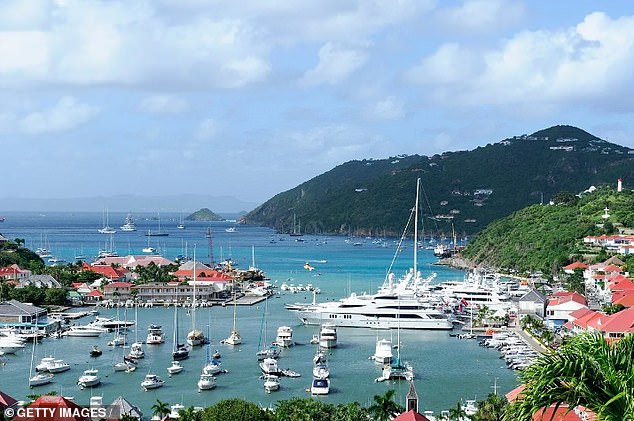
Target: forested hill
<point x="466" y="189"/>
<point x="546" y="237"/>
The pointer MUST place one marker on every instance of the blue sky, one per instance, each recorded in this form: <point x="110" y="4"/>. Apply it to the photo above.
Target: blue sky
<point x="251" y="98"/>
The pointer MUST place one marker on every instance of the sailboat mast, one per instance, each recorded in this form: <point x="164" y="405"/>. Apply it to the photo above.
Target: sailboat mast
<point x="416" y="230"/>
<point x="194" y="300"/>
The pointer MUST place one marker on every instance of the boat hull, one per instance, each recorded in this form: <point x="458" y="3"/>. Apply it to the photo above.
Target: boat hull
<point x="387" y="321"/>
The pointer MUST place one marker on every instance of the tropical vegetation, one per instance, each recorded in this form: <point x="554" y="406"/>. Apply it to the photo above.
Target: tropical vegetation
<point x="546" y="237"/>
<point x="587" y="370"/>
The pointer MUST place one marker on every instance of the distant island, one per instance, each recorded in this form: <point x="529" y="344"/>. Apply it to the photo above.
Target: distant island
<point x="204" y="214"/>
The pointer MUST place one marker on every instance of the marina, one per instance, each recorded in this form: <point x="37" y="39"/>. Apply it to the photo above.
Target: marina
<point x="441" y="362"/>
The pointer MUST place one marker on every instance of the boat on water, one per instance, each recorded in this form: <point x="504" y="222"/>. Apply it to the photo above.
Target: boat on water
<point x="212" y="365"/>
<point x="152" y="381"/>
<point x="90" y="378"/>
<point x="84" y="331"/>
<point x="111" y="324"/>
<point x="320" y="387"/>
<point x="206" y="382"/>
<point x="96" y="351"/>
<point x="266" y="351"/>
<point x="155" y="335"/>
<point x="175" y="368"/>
<point x="179" y="351"/>
<point x="383" y="351"/>
<point x="271" y="383"/>
<point x="106" y="229"/>
<point x="320" y="368"/>
<point x="128" y="224"/>
<point x="118" y="340"/>
<point x="126" y="365"/>
<point x="328" y="336"/>
<point x="234" y="337"/>
<point x="136" y="351"/>
<point x="284" y="336"/>
<point x="396" y="304"/>
<point x="38" y="379"/>
<point x="269" y="366"/>
<point x="231" y="229"/>
<point x="157" y="233"/>
<point x="52" y="365"/>
<point x="195" y="337"/>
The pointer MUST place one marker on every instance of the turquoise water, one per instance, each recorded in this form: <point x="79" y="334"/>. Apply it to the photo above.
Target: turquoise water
<point x="447" y="369"/>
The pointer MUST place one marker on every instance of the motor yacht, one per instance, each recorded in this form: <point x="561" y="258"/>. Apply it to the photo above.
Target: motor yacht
<point x="151" y="381"/>
<point x="328" y="336"/>
<point x="44" y="364"/>
<point x="155" y="335"/>
<point x="234" y="338"/>
<point x="136" y="351"/>
<point x="206" y="382"/>
<point x="271" y="383"/>
<point x="175" y="368"/>
<point x="84" y="331"/>
<point x="269" y="366"/>
<point x="383" y="351"/>
<point x="89" y="378"/>
<point x="284" y="336"/>
<point x="320" y="387"/>
<point x="58" y="366"/>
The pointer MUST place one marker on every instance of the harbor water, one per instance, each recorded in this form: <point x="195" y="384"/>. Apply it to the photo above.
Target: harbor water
<point x="447" y="370"/>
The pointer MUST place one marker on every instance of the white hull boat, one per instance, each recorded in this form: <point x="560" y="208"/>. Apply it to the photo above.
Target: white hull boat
<point x="40" y="379"/>
<point x="90" y="378"/>
<point x="271" y="383"/>
<point x="175" y="368"/>
<point x="320" y="387"/>
<point x="383" y="351"/>
<point x="206" y="382"/>
<point x="151" y="381"/>
<point x="328" y="336"/>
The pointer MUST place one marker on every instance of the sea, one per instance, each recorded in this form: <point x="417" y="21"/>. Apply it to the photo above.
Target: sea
<point x="447" y="370"/>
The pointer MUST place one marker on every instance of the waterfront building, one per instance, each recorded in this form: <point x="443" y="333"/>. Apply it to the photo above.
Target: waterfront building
<point x="25" y="317"/>
<point x="120" y="291"/>
<point x="110" y="272"/>
<point x="169" y="292"/>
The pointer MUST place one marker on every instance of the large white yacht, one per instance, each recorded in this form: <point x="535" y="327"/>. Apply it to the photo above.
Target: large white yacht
<point x="397" y="304"/>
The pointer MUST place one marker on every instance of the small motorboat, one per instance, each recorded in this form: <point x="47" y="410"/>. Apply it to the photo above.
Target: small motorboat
<point x="289" y="373"/>
<point x="320" y="387"/>
<point x="151" y="381"/>
<point x="175" y="368"/>
<point x="90" y="378"/>
<point x="95" y="351"/>
<point x="271" y="383"/>
<point x="206" y="382"/>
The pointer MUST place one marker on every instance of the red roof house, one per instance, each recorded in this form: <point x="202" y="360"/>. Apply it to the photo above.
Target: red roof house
<point x="107" y="271"/>
<point x="575" y="265"/>
<point x="6" y="401"/>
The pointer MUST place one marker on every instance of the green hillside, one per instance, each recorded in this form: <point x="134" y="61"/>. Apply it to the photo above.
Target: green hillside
<point x="545" y="237"/>
<point x="204" y="214"/>
<point x="466" y="189"/>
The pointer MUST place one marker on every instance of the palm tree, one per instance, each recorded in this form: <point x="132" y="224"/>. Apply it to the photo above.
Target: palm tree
<point x="188" y="414"/>
<point x="160" y="408"/>
<point x="457" y="413"/>
<point x="492" y="408"/>
<point x="384" y="408"/>
<point x="587" y="371"/>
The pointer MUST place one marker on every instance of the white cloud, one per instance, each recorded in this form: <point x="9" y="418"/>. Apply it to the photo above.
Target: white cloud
<point x="574" y="65"/>
<point x="335" y="65"/>
<point x="163" y="104"/>
<point x="66" y="114"/>
<point x="482" y="15"/>
<point x="389" y="108"/>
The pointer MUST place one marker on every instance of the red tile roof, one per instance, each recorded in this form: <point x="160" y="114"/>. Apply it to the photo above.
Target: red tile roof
<point x="621" y="322"/>
<point x="95" y="293"/>
<point x="411" y="415"/>
<point x="566" y="296"/>
<point x="113" y="285"/>
<point x="563" y="413"/>
<point x="576" y="265"/>
<point x="625" y="298"/>
<point x="106" y="271"/>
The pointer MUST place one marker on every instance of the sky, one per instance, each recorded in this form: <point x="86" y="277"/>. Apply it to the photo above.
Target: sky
<point x="252" y="98"/>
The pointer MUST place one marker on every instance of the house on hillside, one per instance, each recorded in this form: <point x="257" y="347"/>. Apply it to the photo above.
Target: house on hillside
<point x="118" y="291"/>
<point x="40" y="281"/>
<point x="532" y="303"/>
<point x="560" y="305"/>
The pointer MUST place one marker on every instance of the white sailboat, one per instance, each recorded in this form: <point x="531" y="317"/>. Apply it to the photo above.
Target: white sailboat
<point x="266" y="350"/>
<point x="195" y="337"/>
<point x="234" y="337"/>
<point x="136" y="350"/>
<point x="179" y="351"/>
<point x="38" y="379"/>
<point x="181" y="224"/>
<point x="106" y="229"/>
